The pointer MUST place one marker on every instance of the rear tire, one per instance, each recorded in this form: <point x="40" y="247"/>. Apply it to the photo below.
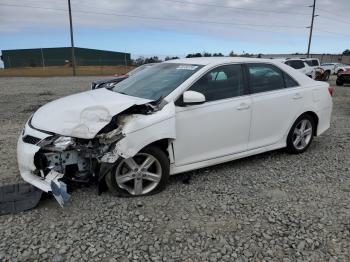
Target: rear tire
<point x="340" y="71"/>
<point x="339" y="83"/>
<point x="146" y="173"/>
<point x="301" y="134"/>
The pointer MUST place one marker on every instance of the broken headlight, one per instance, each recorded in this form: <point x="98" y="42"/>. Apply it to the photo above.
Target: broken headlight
<point x="63" y="142"/>
<point x="57" y="143"/>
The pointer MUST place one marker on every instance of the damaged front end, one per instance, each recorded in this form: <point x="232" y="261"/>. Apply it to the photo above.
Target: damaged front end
<point x="50" y="161"/>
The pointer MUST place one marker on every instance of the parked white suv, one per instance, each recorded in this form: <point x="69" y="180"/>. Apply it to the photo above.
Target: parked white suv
<point x="174" y="117"/>
<point x="300" y="65"/>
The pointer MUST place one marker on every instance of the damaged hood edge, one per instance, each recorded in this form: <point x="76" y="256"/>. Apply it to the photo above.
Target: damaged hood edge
<point x="84" y="114"/>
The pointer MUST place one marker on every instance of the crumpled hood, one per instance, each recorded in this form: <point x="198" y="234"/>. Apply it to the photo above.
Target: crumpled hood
<point x="84" y="114"/>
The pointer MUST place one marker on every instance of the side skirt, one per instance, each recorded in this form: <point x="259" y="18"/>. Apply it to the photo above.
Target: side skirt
<point x="214" y="161"/>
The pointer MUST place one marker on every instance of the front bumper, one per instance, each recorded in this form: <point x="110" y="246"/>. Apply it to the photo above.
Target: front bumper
<point x="25" y="157"/>
<point x="344" y="78"/>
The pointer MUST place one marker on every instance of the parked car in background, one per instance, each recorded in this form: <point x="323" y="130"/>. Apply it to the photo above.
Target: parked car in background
<point x="330" y="67"/>
<point x="111" y="81"/>
<point x="321" y="73"/>
<point x="299" y="65"/>
<point x="343" y="77"/>
<point x="339" y="68"/>
<point x="176" y="116"/>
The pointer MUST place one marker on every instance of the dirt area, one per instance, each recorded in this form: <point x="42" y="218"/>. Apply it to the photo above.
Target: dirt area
<point x="269" y="207"/>
<point x="65" y="71"/>
<point x="19" y="98"/>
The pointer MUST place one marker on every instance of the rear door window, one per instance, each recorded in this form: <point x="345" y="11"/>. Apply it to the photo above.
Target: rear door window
<point x="289" y="81"/>
<point x="264" y="78"/>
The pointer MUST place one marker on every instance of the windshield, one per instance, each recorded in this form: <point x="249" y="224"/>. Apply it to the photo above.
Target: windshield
<point x="156" y="81"/>
<point x="138" y="69"/>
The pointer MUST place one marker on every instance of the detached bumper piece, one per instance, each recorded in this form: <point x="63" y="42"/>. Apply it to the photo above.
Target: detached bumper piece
<point x="59" y="189"/>
<point x="19" y="197"/>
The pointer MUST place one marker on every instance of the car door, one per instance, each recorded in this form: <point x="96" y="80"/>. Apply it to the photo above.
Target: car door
<point x="218" y="127"/>
<point x="276" y="100"/>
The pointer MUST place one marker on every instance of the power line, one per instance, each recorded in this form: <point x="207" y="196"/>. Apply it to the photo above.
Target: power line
<point x="237" y="8"/>
<point x="155" y="18"/>
<point x="333" y="33"/>
<point x="327" y="11"/>
<point x="332" y="18"/>
<point x="241" y="25"/>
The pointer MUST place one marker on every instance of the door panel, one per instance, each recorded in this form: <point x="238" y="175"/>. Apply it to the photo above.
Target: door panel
<point x="218" y="127"/>
<point x="276" y="100"/>
<point x="212" y="130"/>
<point x="272" y="115"/>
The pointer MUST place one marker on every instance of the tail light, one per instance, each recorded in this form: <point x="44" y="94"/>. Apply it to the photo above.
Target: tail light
<point x="331" y="90"/>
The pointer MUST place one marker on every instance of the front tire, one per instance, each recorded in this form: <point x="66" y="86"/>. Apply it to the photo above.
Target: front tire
<point x="326" y="76"/>
<point x="301" y="134"/>
<point x="146" y="173"/>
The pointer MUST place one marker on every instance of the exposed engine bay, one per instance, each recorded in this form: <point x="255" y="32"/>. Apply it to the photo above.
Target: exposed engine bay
<point x="63" y="160"/>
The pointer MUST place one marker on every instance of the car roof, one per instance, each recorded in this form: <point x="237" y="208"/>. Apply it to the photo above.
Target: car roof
<point x="289" y="59"/>
<point x="220" y="60"/>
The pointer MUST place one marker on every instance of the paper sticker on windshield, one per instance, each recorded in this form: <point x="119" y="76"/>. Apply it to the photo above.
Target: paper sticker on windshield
<point x="187" y="67"/>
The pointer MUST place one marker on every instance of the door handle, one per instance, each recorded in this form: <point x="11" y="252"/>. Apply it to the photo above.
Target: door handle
<point x="243" y="106"/>
<point x="297" y="96"/>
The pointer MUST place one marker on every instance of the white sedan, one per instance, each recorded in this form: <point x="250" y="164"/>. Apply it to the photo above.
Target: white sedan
<point x="173" y="117"/>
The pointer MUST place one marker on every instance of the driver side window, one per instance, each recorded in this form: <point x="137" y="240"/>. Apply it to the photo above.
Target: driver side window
<point x="221" y="83"/>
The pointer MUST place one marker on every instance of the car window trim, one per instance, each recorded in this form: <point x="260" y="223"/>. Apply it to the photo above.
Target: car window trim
<point x="213" y="103"/>
<point x="177" y="101"/>
<point x="245" y="65"/>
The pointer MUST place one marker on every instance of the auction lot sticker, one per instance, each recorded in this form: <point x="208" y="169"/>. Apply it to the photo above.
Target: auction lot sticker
<point x="187" y="67"/>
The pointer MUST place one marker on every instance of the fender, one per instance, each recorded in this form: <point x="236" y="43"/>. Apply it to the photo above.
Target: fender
<point x="142" y="130"/>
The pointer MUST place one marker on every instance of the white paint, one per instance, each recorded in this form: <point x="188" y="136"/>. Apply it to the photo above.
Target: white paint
<point x="84" y="114"/>
<point x="193" y="97"/>
<point x="201" y="135"/>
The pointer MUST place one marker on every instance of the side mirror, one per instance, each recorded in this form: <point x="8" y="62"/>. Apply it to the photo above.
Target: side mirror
<point x="193" y="98"/>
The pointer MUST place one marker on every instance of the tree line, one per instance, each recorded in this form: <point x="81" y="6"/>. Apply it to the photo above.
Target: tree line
<point x="155" y="59"/>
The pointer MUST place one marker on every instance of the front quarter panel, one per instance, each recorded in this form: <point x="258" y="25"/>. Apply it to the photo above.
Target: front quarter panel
<point x="142" y="130"/>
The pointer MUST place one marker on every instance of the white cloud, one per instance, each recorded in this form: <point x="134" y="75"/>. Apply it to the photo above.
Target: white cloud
<point x="17" y="19"/>
<point x="248" y="15"/>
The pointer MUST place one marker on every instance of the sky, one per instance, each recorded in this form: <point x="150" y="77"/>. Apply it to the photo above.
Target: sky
<point x="177" y="27"/>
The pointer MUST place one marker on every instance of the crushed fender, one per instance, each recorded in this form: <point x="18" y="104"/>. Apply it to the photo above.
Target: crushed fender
<point x="19" y="197"/>
<point x="63" y="161"/>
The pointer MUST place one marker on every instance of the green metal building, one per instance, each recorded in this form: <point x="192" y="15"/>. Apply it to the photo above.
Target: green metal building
<point x="60" y="56"/>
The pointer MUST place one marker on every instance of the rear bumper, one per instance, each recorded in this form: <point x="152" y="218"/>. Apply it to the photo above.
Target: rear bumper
<point x="324" y="119"/>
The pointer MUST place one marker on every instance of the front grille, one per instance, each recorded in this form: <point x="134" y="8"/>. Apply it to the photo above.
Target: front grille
<point x="30" y="139"/>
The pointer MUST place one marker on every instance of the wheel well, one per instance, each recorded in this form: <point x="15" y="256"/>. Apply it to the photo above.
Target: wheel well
<point x="314" y="117"/>
<point x="162" y="144"/>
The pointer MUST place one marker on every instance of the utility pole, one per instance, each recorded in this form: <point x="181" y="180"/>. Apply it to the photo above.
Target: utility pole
<point x="42" y="58"/>
<point x="311" y="27"/>
<point x="71" y="37"/>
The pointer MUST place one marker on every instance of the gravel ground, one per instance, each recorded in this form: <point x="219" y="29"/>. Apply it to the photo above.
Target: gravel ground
<point x="272" y="207"/>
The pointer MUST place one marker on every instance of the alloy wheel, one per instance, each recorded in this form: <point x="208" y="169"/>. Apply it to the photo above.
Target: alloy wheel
<point x="140" y="174"/>
<point x="302" y="134"/>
